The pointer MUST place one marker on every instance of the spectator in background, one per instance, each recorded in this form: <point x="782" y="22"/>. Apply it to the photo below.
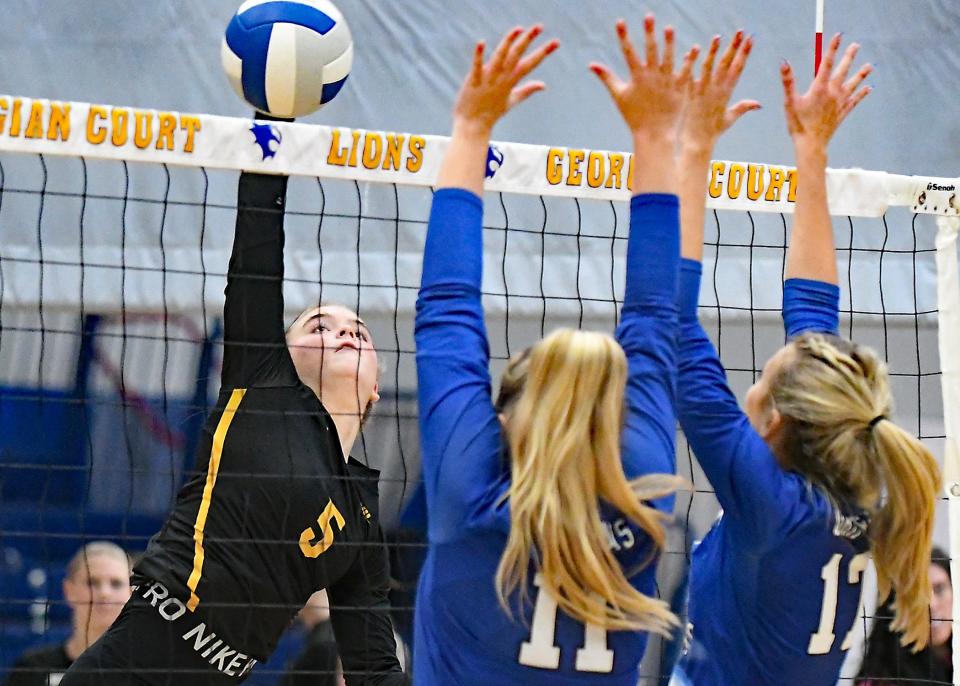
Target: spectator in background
<point x="96" y="587"/>
<point x="887" y="663"/>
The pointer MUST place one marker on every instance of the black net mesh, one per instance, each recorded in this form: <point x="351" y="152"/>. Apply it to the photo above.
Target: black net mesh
<point x="111" y="282"/>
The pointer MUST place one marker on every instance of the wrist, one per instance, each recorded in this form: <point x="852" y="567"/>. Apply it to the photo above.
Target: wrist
<point x="808" y="149"/>
<point x="655" y="142"/>
<point x="471" y="129"/>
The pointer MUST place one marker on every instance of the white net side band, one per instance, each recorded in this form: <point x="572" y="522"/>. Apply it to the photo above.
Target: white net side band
<point x="200" y="140"/>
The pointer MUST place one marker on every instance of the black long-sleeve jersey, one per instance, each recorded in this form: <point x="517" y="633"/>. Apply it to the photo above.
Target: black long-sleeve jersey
<point x="274" y="512"/>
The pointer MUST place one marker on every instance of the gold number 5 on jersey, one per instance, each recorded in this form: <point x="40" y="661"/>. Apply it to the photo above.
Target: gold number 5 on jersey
<point x="308" y="536"/>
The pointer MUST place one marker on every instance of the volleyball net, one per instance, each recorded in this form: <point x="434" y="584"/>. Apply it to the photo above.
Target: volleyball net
<point x="116" y="226"/>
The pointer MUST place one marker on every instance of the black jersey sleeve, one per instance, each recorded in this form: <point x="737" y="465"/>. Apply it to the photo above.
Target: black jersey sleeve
<point x="360" y="613"/>
<point x="255" y="349"/>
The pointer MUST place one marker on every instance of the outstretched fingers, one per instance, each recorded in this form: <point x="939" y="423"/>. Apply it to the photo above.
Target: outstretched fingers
<point x="627" y="48"/>
<point x="739" y="61"/>
<point x="855" y="100"/>
<point x="669" y="37"/>
<point x="826" y="65"/>
<point x="854" y="82"/>
<point x="706" y="72"/>
<point x="524" y="91"/>
<point x="533" y="60"/>
<point x="607" y="76"/>
<point x="840" y="75"/>
<point x="740" y="109"/>
<point x="503" y="50"/>
<point x="789" y="95"/>
<point x="476" y="71"/>
<point x="650" y="39"/>
<point x="520" y="47"/>
<point x="686" y="68"/>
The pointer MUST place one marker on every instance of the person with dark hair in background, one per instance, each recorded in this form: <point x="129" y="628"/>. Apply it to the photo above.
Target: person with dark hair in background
<point x="888" y="663"/>
<point x="96" y="587"/>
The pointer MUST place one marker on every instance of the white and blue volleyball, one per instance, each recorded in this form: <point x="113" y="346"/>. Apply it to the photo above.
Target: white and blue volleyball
<point x="287" y="58"/>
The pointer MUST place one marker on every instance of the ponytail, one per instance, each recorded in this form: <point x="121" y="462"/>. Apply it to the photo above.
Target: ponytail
<point x="564" y="424"/>
<point x="834" y="396"/>
<point x="902" y="530"/>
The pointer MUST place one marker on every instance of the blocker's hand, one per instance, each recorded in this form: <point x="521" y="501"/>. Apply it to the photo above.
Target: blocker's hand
<point x="813" y="118"/>
<point x="492" y="89"/>
<point x="652" y="99"/>
<point x="708" y="115"/>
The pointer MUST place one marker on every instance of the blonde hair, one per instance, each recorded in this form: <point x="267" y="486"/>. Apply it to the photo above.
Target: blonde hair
<point x="835" y="398"/>
<point x="564" y="400"/>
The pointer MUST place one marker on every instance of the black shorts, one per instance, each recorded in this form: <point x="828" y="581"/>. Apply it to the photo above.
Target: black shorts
<point x="157" y="642"/>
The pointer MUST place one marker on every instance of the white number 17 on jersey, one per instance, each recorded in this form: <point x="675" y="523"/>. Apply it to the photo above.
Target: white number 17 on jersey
<point x="821" y="642"/>
<point x="540" y="650"/>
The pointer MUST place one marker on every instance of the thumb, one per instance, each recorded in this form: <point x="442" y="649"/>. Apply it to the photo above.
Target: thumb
<point x="740" y="109"/>
<point x="608" y="78"/>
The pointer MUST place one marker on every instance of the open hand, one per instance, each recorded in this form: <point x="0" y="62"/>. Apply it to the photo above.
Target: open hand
<point x="491" y="90"/>
<point x="812" y="118"/>
<point x="708" y="114"/>
<point x="653" y="98"/>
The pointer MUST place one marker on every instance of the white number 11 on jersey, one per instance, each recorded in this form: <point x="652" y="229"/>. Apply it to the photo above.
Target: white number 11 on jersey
<point x="540" y="650"/>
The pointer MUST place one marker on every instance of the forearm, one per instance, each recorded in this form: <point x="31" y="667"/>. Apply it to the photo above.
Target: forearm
<point x="464" y="164"/>
<point x="694" y="166"/>
<point x="812" y="251"/>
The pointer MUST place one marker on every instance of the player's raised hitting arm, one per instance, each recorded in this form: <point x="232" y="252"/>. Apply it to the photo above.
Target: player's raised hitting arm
<point x="255" y="347"/>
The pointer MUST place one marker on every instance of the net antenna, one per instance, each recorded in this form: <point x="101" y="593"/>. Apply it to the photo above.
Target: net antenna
<point x="948" y="297"/>
<point x="818" y="47"/>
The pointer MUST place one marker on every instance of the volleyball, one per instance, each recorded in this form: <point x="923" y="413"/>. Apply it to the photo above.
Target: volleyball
<point x="287" y="58"/>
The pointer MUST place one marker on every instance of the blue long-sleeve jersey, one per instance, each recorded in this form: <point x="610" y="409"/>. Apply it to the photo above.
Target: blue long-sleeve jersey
<point x="775" y="584"/>
<point x="463" y="636"/>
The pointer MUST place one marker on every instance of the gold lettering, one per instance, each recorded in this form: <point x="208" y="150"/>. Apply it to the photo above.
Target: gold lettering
<point x="142" y="129"/>
<point x="630" y="174"/>
<point x="59" y="127"/>
<point x="35" y="123"/>
<point x="715" y="187"/>
<point x="735" y="181"/>
<point x="792" y="180"/>
<point x="96" y="136"/>
<point x="372" y="149"/>
<point x="313" y="545"/>
<point x="394" y="151"/>
<point x="415" y="161"/>
<point x="595" y="167"/>
<point x="15" y="118"/>
<point x="615" y="179"/>
<point x="191" y="125"/>
<point x="353" y="149"/>
<point x="754" y="181"/>
<point x="574" y="175"/>
<point x="775" y="185"/>
<point x="4" y="106"/>
<point x="337" y="155"/>
<point x="168" y="123"/>
<point x="554" y="166"/>
<point x="120" y="118"/>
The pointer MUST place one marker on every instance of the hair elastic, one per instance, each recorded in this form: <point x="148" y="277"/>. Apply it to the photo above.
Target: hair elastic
<point x="876" y="420"/>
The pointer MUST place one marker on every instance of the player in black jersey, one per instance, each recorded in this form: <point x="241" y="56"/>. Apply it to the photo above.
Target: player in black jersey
<point x="276" y="510"/>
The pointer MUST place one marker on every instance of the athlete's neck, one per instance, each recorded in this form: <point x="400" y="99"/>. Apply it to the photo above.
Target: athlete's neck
<point x="345" y="414"/>
<point x="348" y="426"/>
<point x="79" y="641"/>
